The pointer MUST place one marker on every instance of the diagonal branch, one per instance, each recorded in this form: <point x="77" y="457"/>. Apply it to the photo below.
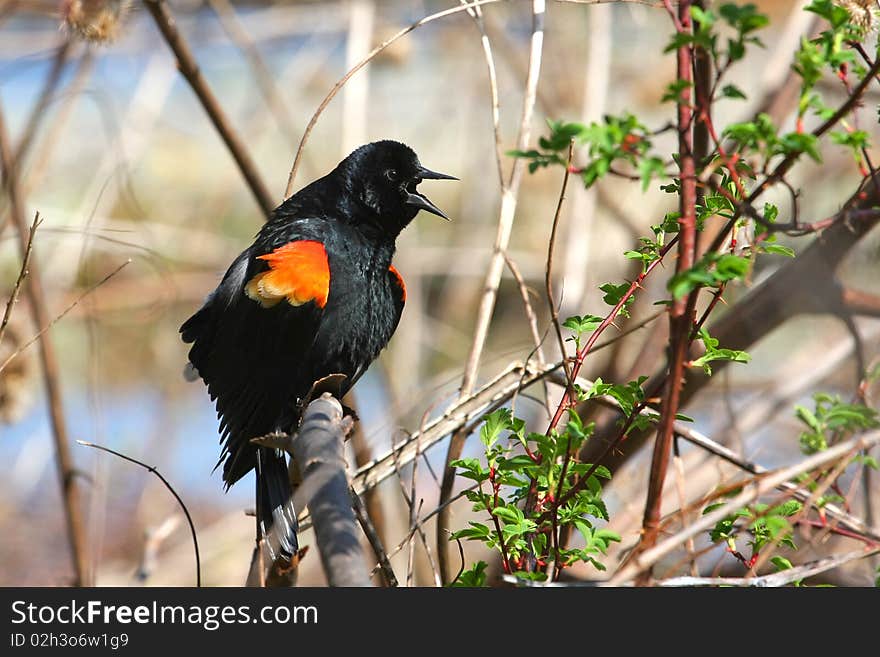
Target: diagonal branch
<point x="22" y="274"/>
<point x="642" y="562"/>
<point x="189" y="68"/>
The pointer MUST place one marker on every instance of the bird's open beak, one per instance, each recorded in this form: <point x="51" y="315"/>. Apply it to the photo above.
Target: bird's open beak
<point x="427" y="174"/>
<point x="421" y="201"/>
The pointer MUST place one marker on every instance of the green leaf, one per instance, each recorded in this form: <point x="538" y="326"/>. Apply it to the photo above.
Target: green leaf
<point x="779" y="249"/>
<point x="649" y="167"/>
<point x="732" y="91"/>
<point x="561" y="134"/>
<point x="711" y="271"/>
<point x="509" y="514"/>
<point x="674" y="90"/>
<point x="496" y="422"/>
<point x="471" y="469"/>
<point x="800" y="142"/>
<point x="473" y="577"/>
<point x="475" y="532"/>
<point x="583" y="324"/>
<point x="714" y="353"/>
<point x="781" y="563"/>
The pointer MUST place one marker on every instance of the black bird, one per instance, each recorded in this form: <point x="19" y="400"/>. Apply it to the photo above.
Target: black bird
<point x="315" y="294"/>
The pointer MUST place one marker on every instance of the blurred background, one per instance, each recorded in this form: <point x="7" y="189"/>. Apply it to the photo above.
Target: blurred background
<point x="125" y="165"/>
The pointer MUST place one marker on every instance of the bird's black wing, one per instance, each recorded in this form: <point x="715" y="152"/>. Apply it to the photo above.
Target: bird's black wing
<point x="252" y="337"/>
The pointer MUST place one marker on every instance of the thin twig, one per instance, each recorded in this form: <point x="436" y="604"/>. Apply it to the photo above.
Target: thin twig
<point x="678" y="464"/>
<point x="416" y="526"/>
<point x="151" y="468"/>
<point x="781" y="578"/>
<point x="532" y="319"/>
<point x="413" y="511"/>
<point x="189" y="68"/>
<point x="548" y="271"/>
<point x="372" y="501"/>
<point x="22" y="274"/>
<point x="58" y="318"/>
<point x="373" y="537"/>
<point x="643" y="561"/>
<point x="477" y="14"/>
<point x="357" y="67"/>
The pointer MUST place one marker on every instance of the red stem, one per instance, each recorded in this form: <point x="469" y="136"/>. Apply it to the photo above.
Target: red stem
<point x="681" y="311"/>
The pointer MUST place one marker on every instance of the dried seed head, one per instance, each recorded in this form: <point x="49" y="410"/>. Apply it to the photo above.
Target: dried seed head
<point x="861" y="12"/>
<point x="97" y="21"/>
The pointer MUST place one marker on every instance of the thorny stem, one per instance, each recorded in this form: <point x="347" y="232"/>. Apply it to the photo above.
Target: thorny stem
<point x="783" y="167"/>
<point x="505" y="559"/>
<point x="569" y="400"/>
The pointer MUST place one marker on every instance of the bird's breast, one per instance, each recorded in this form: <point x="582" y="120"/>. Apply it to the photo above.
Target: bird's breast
<point x="360" y="315"/>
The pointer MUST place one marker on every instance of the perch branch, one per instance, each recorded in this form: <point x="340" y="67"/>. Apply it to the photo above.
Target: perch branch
<point x="317" y="449"/>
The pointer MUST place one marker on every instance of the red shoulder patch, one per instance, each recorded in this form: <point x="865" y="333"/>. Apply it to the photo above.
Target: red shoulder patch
<point x="298" y="272"/>
<point x="399" y="280"/>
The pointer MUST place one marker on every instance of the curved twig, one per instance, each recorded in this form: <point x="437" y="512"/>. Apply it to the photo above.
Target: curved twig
<point x="151" y="468"/>
<point x="357" y="67"/>
<point x="58" y="318"/>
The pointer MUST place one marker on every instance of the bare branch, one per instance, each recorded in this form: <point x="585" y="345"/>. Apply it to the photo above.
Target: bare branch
<point x="318" y="451"/>
<point x="13" y="298"/>
<point x="64" y="312"/>
<point x="774" y="579"/>
<point x="640" y="563"/>
<point x="373" y="537"/>
<point x="189" y="68"/>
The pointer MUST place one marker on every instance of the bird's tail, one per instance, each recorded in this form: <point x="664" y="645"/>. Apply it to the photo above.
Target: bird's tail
<point x="274" y="507"/>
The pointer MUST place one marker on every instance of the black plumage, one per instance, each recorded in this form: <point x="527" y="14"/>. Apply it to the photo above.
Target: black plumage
<point x="314" y="295"/>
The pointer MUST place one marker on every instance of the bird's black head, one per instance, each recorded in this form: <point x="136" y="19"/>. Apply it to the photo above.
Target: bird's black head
<point x="383" y="177"/>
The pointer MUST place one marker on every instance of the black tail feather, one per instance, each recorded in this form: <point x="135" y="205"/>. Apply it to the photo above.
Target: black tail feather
<point x="274" y="507"/>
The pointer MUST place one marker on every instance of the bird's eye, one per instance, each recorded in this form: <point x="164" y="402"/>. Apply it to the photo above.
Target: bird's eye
<point x="391" y="174"/>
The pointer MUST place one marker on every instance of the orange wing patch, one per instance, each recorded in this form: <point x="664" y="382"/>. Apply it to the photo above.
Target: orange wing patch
<point x="297" y="272"/>
<point x="399" y="280"/>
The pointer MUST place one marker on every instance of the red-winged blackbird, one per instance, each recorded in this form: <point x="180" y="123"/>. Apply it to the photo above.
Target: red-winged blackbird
<point x="316" y="294"/>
